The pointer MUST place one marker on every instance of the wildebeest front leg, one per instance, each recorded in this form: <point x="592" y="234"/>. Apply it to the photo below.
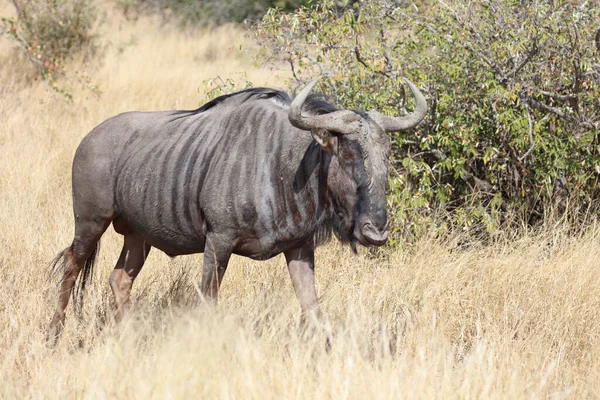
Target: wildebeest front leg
<point x="216" y="258"/>
<point x="301" y="265"/>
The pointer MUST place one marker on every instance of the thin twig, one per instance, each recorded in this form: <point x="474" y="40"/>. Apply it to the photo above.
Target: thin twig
<point x="386" y="57"/>
<point x="546" y="107"/>
<point x="289" y="59"/>
<point x="556" y="96"/>
<point x="485" y="58"/>
<point x="530" y="133"/>
<point x="524" y="61"/>
<point x="361" y="60"/>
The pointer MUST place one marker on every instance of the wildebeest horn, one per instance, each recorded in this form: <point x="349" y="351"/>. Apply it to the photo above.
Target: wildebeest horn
<point x="338" y="121"/>
<point x="394" y="124"/>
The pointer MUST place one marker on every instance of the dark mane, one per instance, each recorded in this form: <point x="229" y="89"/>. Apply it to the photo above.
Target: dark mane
<point x="314" y="104"/>
<point x="241" y="97"/>
<point x="248" y="94"/>
<point x="318" y="104"/>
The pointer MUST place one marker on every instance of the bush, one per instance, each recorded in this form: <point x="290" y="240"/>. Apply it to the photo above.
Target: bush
<point x="513" y="90"/>
<point x="49" y="32"/>
<point x="206" y="12"/>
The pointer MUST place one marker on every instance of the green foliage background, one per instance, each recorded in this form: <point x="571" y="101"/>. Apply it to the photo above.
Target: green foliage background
<point x="513" y="89"/>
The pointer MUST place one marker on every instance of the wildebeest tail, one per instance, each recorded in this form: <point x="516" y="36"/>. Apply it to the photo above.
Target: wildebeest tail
<point x="56" y="266"/>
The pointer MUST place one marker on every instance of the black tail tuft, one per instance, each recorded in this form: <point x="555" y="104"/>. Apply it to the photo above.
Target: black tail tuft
<point x="59" y="268"/>
<point x="85" y="274"/>
<point x="55" y="264"/>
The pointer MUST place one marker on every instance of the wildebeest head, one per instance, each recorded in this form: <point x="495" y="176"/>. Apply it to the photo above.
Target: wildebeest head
<point x="360" y="147"/>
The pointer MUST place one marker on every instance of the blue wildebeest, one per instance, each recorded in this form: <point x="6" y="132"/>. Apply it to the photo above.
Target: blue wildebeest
<point x="249" y="173"/>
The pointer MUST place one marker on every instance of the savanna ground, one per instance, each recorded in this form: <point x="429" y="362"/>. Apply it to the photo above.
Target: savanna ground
<point x="515" y="319"/>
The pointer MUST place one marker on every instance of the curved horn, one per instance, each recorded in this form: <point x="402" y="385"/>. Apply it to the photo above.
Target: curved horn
<point x="394" y="124"/>
<point x="295" y="113"/>
<point x="342" y="121"/>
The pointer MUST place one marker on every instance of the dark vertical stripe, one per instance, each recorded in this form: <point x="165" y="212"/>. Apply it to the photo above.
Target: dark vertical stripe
<point x="191" y="208"/>
<point x="178" y="191"/>
<point x="163" y="184"/>
<point x="146" y="173"/>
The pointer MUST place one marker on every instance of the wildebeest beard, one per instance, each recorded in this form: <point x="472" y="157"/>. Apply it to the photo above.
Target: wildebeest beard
<point x="340" y="206"/>
<point x="342" y="226"/>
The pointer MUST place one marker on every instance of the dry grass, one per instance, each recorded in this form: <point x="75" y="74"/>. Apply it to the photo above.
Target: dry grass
<point x="518" y="319"/>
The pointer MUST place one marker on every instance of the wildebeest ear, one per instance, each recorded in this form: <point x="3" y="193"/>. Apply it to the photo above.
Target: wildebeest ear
<point x="326" y="140"/>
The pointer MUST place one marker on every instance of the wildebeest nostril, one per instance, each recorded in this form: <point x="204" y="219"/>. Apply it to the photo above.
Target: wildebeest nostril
<point x="374" y="235"/>
<point x="378" y="227"/>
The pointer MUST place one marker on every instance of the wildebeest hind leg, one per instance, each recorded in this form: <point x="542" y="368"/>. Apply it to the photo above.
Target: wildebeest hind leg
<point x="132" y="258"/>
<point x="74" y="258"/>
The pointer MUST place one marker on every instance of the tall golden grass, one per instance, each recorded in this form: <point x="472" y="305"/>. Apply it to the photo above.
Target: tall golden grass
<point x="515" y="319"/>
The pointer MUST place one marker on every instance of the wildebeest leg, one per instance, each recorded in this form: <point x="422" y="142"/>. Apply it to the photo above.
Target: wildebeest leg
<point x="301" y="265"/>
<point x="87" y="235"/>
<point x="134" y="253"/>
<point x="216" y="258"/>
